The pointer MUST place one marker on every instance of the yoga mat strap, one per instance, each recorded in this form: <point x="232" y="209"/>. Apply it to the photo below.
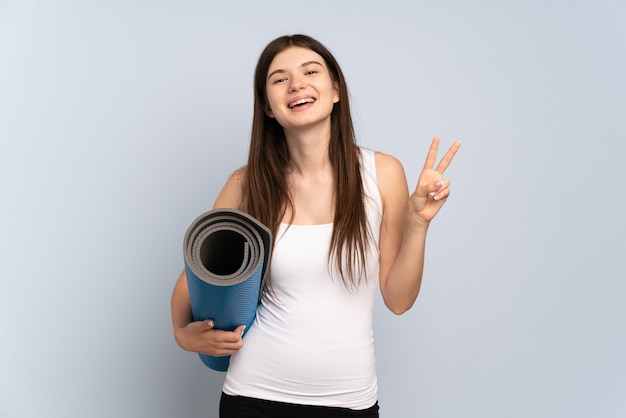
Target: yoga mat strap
<point x="226" y="254"/>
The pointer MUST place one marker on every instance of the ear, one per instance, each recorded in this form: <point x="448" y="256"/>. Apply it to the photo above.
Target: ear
<point x="336" y="92"/>
<point x="268" y="111"/>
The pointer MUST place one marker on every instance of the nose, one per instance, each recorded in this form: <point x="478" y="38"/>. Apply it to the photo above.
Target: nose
<point x="297" y="83"/>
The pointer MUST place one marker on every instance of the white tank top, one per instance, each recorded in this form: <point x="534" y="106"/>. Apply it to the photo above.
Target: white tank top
<point x="312" y="344"/>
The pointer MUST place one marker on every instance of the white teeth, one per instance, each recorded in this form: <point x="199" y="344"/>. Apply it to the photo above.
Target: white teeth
<point x="301" y="101"/>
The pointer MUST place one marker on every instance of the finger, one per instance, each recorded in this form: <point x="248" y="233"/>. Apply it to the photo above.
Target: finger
<point x="445" y="161"/>
<point x="201" y="326"/>
<point x="432" y="153"/>
<point x="438" y="186"/>
<point x="442" y="194"/>
<point x="226" y="348"/>
<point x="234" y="341"/>
<point x="226" y="337"/>
<point x="240" y="330"/>
<point x="221" y="352"/>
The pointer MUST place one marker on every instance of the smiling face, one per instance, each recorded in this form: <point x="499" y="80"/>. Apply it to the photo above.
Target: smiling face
<point x="300" y="91"/>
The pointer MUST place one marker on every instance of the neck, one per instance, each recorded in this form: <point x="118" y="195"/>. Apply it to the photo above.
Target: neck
<point x="308" y="149"/>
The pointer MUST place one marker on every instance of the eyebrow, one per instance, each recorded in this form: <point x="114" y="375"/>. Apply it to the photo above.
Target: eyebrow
<point x="279" y="71"/>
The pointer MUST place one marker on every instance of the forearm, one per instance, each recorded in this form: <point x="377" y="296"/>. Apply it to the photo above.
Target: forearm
<point x="181" y="308"/>
<point x="402" y="240"/>
<point x="403" y="282"/>
<point x="199" y="336"/>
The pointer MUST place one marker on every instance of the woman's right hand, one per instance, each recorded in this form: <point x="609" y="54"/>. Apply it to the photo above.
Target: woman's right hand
<point x="200" y="337"/>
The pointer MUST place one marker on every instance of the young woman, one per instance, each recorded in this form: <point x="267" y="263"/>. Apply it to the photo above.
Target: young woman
<point x="343" y="223"/>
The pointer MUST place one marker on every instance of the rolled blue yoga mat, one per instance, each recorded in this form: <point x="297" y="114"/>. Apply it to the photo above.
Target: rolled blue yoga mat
<point x="226" y="255"/>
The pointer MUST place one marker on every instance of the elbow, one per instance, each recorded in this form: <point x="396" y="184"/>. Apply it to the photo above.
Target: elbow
<point x="399" y="311"/>
<point x="399" y="308"/>
<point x="178" y="337"/>
<point x="399" y="304"/>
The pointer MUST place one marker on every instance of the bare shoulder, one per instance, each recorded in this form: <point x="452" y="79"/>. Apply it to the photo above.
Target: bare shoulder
<point x="387" y="163"/>
<point x="238" y="175"/>
<point x="232" y="193"/>
<point x="390" y="175"/>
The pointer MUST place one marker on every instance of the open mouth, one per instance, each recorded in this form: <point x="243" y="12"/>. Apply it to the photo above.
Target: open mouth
<point x="300" y="102"/>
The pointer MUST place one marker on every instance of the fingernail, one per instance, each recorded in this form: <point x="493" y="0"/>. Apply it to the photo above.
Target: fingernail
<point x="210" y="323"/>
<point x="439" y="183"/>
<point x="243" y="330"/>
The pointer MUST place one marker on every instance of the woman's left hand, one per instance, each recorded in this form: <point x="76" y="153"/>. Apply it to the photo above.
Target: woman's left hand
<point x="432" y="189"/>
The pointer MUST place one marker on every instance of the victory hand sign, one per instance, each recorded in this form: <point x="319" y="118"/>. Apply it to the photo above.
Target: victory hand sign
<point x="432" y="189"/>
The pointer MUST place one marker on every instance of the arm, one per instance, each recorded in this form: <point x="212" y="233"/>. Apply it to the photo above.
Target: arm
<point x="405" y="224"/>
<point x="199" y="336"/>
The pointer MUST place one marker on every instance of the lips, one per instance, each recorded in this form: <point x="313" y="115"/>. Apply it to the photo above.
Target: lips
<point x="300" y="101"/>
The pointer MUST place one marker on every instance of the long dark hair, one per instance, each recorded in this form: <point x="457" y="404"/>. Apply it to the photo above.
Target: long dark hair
<point x="265" y="190"/>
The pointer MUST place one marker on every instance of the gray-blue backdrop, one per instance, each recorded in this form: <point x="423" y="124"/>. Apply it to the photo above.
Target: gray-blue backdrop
<point x="120" y="121"/>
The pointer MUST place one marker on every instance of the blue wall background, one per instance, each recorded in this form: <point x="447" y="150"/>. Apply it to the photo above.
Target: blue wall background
<point x="120" y="121"/>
